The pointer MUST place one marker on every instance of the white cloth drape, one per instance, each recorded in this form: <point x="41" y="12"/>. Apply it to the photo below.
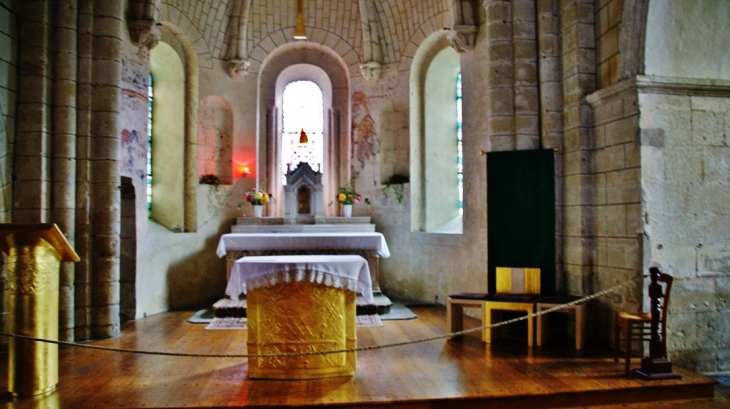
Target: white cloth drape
<point x="302" y="241"/>
<point x="350" y="272"/>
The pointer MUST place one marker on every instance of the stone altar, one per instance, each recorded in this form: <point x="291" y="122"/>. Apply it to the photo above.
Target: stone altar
<point x="303" y="204"/>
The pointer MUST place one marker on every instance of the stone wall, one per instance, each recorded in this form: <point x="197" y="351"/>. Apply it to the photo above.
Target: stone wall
<point x="608" y="19"/>
<point x="617" y="203"/>
<point x="685" y="173"/>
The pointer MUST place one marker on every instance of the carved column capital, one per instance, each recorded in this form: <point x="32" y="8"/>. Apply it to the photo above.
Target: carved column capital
<point x="371" y="71"/>
<point x="144" y="33"/>
<point x="462" y="38"/>
<point x="238" y="68"/>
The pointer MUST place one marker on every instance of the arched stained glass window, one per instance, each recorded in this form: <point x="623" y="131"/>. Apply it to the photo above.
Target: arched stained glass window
<point x="149" y="146"/>
<point x="459" y="147"/>
<point x="303" y="110"/>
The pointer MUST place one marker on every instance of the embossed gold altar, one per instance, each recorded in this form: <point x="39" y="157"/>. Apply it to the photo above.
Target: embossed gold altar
<point x="301" y="317"/>
<point x="303" y="303"/>
<point x="34" y="254"/>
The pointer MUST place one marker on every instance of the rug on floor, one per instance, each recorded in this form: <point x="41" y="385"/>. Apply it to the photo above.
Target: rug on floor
<point x="398" y="311"/>
<point x="227" y="323"/>
<point x="363" y="321"/>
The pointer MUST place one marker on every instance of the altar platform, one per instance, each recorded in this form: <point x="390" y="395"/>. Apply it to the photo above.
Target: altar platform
<point x="436" y="374"/>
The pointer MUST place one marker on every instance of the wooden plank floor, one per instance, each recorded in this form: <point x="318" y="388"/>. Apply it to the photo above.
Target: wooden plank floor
<point x="435" y="374"/>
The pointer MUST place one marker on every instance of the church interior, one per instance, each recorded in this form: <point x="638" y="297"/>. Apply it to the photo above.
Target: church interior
<point x="589" y="138"/>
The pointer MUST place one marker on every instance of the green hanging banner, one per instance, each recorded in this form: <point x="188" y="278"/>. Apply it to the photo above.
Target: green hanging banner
<point x="521" y="213"/>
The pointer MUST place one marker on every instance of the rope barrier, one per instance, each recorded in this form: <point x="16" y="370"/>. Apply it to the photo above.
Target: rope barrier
<point x="337" y="351"/>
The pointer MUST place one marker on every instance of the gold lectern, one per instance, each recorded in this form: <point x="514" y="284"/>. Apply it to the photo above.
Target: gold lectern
<point x="35" y="252"/>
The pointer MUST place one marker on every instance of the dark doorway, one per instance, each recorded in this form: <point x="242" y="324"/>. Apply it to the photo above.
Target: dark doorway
<point x="128" y="256"/>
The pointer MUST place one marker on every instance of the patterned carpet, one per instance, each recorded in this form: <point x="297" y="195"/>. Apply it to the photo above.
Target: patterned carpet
<point x="240" y="323"/>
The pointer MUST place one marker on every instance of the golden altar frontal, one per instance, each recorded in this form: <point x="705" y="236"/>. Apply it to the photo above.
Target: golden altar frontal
<point x="301" y="304"/>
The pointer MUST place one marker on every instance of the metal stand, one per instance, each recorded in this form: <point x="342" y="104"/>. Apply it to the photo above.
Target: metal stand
<point x="656" y="366"/>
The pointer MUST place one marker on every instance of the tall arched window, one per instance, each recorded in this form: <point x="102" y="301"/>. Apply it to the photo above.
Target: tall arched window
<point x="321" y="119"/>
<point x="168" y="137"/>
<point x="437" y="191"/>
<point x="303" y="111"/>
<point x="459" y="146"/>
<point x="150" y="103"/>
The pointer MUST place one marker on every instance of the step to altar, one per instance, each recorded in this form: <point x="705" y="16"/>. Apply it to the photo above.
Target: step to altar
<point x="227" y="307"/>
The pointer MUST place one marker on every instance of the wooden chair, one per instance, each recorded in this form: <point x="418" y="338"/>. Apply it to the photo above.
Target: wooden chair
<point x="517" y="290"/>
<point x="636" y="326"/>
<point x="552" y="301"/>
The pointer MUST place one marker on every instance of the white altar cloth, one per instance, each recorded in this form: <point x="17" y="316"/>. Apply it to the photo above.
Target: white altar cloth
<point x="302" y="241"/>
<point x="350" y="272"/>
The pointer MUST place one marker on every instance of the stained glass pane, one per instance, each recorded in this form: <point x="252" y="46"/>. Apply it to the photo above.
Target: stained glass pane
<point x="303" y="110"/>
<point x="459" y="148"/>
<point x="149" y="147"/>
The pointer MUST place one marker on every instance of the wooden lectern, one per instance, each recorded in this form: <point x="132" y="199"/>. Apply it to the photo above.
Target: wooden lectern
<point x="35" y="252"/>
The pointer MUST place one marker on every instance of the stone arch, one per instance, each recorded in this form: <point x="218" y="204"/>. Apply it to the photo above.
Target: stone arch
<point x="433" y="25"/>
<point x="337" y="115"/>
<point x="195" y="43"/>
<point x="317" y="38"/>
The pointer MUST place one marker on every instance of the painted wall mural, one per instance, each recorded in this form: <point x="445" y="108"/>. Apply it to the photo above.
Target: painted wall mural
<point x="365" y="141"/>
<point x="134" y="113"/>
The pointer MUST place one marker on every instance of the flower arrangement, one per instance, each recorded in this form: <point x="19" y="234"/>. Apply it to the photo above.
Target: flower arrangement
<point x="258" y="197"/>
<point x="348" y="195"/>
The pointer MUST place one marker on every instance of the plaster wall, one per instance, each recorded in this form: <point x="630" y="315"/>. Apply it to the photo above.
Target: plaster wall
<point x="684" y="38"/>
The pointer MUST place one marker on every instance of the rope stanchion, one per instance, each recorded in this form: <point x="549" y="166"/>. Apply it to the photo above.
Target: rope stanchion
<point x="338" y="351"/>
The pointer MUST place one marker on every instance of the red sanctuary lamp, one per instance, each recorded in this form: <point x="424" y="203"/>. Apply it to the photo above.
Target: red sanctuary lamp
<point x="243" y="170"/>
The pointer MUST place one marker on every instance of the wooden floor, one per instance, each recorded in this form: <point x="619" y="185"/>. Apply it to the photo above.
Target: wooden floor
<point x="435" y="374"/>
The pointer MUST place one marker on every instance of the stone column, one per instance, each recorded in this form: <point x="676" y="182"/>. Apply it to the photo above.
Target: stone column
<point x="579" y="79"/>
<point x="82" y="279"/>
<point x="105" y="205"/>
<point x="64" y="149"/>
<point x="500" y="76"/>
<point x="31" y="190"/>
<point x="551" y="107"/>
<point x="524" y="37"/>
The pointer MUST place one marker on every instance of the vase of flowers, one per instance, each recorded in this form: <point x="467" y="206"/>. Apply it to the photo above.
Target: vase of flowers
<point x="258" y="211"/>
<point x="258" y="199"/>
<point x="346" y="197"/>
